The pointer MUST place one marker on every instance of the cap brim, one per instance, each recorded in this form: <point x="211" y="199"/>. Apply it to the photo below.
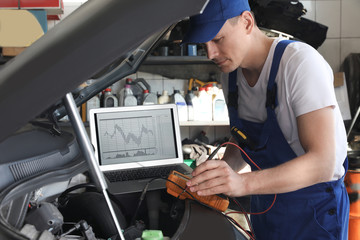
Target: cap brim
<point x="202" y="33"/>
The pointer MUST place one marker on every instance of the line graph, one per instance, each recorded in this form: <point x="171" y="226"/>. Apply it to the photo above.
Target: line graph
<point x="128" y="137"/>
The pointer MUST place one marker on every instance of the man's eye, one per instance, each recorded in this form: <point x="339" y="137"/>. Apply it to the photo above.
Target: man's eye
<point x="217" y="40"/>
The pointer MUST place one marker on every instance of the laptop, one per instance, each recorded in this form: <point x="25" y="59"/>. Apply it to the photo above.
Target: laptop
<point x="129" y="141"/>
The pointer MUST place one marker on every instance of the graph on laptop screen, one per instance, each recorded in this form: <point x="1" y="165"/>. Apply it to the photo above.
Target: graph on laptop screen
<point x="131" y="136"/>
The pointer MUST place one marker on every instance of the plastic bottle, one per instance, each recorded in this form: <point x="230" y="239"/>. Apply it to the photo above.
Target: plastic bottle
<point x="93" y="102"/>
<point x="189" y="97"/>
<point x="215" y="90"/>
<point x="129" y="98"/>
<point x="109" y="99"/>
<point x="220" y="111"/>
<point x="203" y="106"/>
<point x="164" y="98"/>
<point x="149" y="98"/>
<point x="137" y="87"/>
<point x="122" y="92"/>
<point x="180" y="102"/>
<point x="209" y="90"/>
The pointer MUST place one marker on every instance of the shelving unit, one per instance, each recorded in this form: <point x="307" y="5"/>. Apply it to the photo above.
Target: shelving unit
<point x="186" y="67"/>
<point x="176" y="60"/>
<point x="205" y="123"/>
<point x="180" y="67"/>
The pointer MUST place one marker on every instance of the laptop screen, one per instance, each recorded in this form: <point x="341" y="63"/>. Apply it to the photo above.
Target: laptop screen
<point x="138" y="136"/>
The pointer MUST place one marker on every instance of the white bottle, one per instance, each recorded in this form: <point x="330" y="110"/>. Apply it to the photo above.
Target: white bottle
<point x="164" y="98"/>
<point x="189" y="97"/>
<point x="179" y="100"/>
<point x="203" y="106"/>
<point x="122" y="92"/>
<point x="109" y="99"/>
<point x="93" y="102"/>
<point x="149" y="98"/>
<point x="129" y="98"/>
<point x="220" y="111"/>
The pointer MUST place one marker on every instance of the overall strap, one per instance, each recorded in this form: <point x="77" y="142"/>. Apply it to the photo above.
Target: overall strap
<point x="233" y="90"/>
<point x="271" y="94"/>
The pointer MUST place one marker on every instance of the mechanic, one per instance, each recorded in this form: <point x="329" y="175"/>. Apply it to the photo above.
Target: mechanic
<point x="281" y="97"/>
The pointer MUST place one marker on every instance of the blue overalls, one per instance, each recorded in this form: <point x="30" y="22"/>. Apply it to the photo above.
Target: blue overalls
<point x="316" y="212"/>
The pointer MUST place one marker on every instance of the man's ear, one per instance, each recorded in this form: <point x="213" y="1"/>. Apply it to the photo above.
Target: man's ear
<point x="248" y="21"/>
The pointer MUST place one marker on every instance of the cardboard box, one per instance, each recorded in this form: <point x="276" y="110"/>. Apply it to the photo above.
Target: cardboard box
<point x="342" y="95"/>
<point x="20" y="28"/>
<point x="54" y="8"/>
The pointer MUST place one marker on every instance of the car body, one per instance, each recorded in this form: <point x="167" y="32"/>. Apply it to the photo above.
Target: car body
<point x="34" y="84"/>
<point x="103" y="39"/>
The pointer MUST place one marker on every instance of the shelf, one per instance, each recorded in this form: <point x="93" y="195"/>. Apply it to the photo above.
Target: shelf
<point x="176" y="60"/>
<point x="205" y="123"/>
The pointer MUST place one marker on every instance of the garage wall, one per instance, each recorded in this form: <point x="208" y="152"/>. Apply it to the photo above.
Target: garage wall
<point x="342" y="17"/>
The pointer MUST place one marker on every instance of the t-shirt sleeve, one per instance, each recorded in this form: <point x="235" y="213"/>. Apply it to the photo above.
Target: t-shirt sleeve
<point x="310" y="82"/>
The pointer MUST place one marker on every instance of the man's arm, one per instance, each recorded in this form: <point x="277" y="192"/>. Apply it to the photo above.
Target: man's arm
<point x="317" y="136"/>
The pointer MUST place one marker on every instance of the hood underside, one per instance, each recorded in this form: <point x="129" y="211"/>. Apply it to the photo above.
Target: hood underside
<point x="94" y="36"/>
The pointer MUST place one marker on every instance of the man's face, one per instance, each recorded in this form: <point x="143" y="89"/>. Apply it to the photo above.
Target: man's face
<point x="228" y="48"/>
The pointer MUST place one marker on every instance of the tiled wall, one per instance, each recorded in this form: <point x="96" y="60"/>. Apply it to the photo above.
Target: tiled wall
<point x="343" y="18"/>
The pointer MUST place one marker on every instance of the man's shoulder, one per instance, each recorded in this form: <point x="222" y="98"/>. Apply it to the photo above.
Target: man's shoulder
<point x="300" y="48"/>
<point x="300" y="53"/>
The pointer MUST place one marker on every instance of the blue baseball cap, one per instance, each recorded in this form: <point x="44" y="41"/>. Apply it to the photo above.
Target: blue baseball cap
<point x="205" y="26"/>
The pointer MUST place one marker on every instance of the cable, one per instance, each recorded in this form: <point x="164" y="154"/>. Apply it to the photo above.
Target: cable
<point x="242" y="150"/>
<point x="275" y="195"/>
<point x="245" y="214"/>
<point x="193" y="198"/>
<point x="251" y="236"/>
<point x="143" y="193"/>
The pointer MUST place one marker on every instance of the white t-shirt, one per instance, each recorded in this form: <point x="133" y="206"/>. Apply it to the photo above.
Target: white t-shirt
<point x="305" y="83"/>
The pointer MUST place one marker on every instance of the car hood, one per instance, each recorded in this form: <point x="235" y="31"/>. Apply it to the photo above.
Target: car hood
<point x="94" y="36"/>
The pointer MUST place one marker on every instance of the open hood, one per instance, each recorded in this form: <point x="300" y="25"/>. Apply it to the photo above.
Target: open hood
<point x="96" y="35"/>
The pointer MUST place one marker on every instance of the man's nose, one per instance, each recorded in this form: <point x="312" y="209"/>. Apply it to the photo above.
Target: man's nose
<point x="210" y="50"/>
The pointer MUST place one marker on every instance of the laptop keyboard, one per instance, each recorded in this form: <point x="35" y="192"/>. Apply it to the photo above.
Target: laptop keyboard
<point x="141" y="173"/>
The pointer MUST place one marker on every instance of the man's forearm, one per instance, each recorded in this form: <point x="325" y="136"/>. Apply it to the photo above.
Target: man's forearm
<point x="293" y="175"/>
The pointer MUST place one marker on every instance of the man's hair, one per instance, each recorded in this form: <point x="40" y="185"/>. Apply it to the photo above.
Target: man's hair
<point x="233" y="21"/>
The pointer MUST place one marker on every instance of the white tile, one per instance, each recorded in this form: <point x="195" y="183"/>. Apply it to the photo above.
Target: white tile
<point x="330" y="50"/>
<point x="158" y="77"/>
<point x="175" y="84"/>
<point x="310" y="7"/>
<point x="350" y="45"/>
<point x="51" y="24"/>
<point x="184" y="132"/>
<point x="156" y="85"/>
<point x="328" y="14"/>
<point x="350" y="18"/>
<point x="69" y="8"/>
<point x="210" y="134"/>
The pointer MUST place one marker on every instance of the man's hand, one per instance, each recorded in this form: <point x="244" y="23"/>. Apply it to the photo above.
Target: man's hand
<point x="215" y="177"/>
